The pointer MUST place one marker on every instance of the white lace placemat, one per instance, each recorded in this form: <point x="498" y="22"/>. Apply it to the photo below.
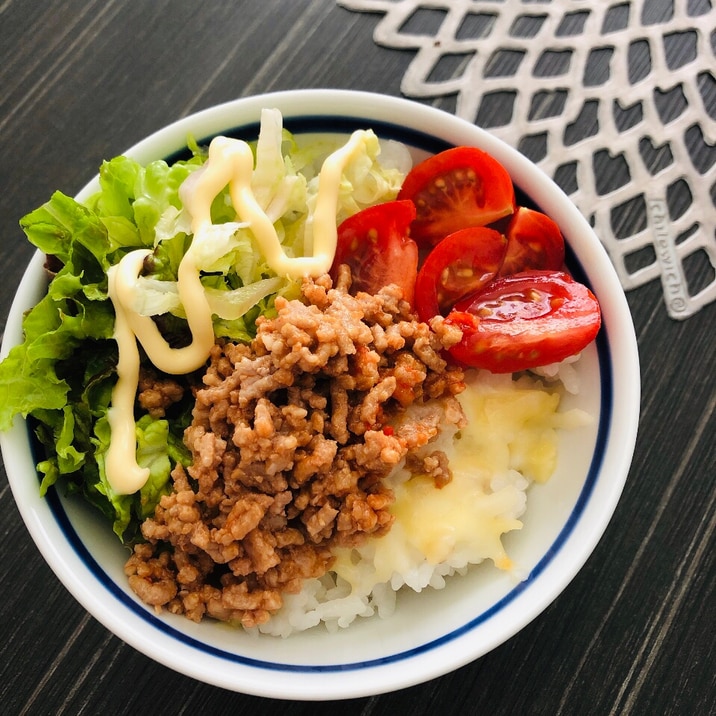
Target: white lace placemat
<point x="638" y="76"/>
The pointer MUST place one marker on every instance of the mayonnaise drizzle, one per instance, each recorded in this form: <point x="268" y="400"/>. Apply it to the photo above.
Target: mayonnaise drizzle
<point x="123" y="473"/>
<point x="176" y="361"/>
<point x="230" y="162"/>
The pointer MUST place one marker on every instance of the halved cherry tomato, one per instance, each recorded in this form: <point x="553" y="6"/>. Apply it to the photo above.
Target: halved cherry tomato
<point x="462" y="263"/>
<point x="534" y="242"/>
<point x="456" y="188"/>
<point x="375" y="243"/>
<point x="526" y="320"/>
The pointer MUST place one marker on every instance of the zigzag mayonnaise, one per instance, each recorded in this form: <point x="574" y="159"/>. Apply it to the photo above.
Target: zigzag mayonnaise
<point x="230" y="163"/>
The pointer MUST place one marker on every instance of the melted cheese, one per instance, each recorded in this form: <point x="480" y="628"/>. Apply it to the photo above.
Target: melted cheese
<point x="509" y="441"/>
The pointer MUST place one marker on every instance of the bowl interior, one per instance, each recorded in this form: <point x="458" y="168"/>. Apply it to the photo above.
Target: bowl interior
<point x="437" y="630"/>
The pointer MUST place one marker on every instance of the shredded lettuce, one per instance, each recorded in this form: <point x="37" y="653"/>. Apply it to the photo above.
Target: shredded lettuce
<point x="62" y="375"/>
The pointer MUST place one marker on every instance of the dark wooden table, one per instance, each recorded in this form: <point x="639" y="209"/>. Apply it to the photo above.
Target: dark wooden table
<point x="82" y="80"/>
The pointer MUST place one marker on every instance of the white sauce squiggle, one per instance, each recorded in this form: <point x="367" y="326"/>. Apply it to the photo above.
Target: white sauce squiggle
<point x="231" y="163"/>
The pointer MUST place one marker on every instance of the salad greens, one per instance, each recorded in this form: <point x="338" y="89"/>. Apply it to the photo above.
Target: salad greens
<point x="63" y="373"/>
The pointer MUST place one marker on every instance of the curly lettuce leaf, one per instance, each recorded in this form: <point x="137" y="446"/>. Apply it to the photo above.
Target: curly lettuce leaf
<point x="34" y="376"/>
<point x="153" y="452"/>
<point x="61" y="375"/>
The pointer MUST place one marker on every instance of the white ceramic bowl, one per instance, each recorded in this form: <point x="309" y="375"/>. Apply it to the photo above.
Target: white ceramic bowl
<point x="433" y="632"/>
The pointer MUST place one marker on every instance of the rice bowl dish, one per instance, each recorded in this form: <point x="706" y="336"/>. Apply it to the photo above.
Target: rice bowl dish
<point x="462" y="615"/>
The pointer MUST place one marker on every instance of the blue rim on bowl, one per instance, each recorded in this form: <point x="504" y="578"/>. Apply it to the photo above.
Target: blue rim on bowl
<point x="371" y="662"/>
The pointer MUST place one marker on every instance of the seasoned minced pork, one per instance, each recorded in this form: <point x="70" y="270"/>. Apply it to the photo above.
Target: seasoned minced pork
<point x="291" y="438"/>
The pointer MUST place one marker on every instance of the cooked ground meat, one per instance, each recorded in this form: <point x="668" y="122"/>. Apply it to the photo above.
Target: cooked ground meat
<point x="157" y="393"/>
<point x="292" y="437"/>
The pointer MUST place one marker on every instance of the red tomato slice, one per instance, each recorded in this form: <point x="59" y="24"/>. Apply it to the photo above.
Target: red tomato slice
<point x="375" y="243"/>
<point x="534" y="242"/>
<point x="459" y="187"/>
<point x="526" y="320"/>
<point x="462" y="263"/>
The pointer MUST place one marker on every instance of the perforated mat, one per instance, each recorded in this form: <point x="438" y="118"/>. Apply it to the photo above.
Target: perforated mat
<point x="608" y="98"/>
